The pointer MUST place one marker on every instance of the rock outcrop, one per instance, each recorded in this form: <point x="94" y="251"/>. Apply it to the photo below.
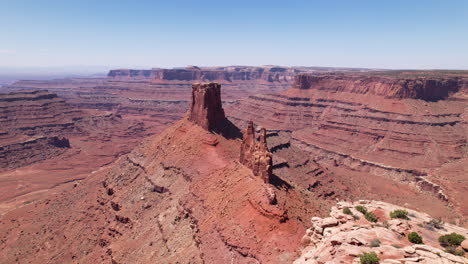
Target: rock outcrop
<point x="342" y="238"/>
<point x="255" y="154"/>
<point x="206" y="109"/>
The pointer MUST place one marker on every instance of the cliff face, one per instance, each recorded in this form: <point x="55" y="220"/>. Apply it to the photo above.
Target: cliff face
<point x="429" y="89"/>
<point x="206" y="109"/>
<point x="227" y="74"/>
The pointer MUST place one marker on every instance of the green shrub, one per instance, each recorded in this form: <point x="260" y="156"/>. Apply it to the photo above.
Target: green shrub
<point x="375" y="243"/>
<point x="396" y="246"/>
<point x="451" y="240"/>
<point x="347" y="211"/>
<point x="402" y="214"/>
<point x="455" y="251"/>
<point x="415" y="238"/>
<point x="371" y="217"/>
<point x="361" y="209"/>
<point x="369" y="258"/>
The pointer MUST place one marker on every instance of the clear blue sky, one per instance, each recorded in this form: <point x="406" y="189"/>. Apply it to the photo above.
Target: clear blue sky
<point x="143" y="34"/>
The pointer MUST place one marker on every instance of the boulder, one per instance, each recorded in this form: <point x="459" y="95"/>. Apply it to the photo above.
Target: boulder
<point x="464" y="245"/>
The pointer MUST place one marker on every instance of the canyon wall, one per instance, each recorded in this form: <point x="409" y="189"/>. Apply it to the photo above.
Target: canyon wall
<point x="193" y="73"/>
<point x="429" y="89"/>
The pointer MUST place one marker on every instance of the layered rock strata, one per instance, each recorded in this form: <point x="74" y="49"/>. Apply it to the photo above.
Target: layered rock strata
<point x="193" y="73"/>
<point x="429" y="89"/>
<point x="342" y="238"/>
<point x="179" y="197"/>
<point x="45" y="142"/>
<point x="255" y="154"/>
<point x="206" y="109"/>
<point x="407" y="129"/>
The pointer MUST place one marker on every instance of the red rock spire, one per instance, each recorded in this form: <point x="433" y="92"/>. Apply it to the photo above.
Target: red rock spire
<point x="206" y="109"/>
<point x="255" y="154"/>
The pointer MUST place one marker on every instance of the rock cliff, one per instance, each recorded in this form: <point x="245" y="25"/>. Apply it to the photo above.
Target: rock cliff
<point x="424" y="88"/>
<point x="223" y="74"/>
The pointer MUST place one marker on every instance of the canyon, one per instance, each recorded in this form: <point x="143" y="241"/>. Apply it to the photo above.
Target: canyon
<point x="45" y="142"/>
<point x="406" y="129"/>
<point x="153" y="165"/>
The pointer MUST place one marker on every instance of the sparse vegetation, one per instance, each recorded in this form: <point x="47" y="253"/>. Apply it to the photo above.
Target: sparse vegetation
<point x="401" y="214"/>
<point x="347" y="211"/>
<point x="386" y="224"/>
<point x="435" y="223"/>
<point x="455" y="251"/>
<point x="356" y="217"/>
<point x="415" y="238"/>
<point x="361" y="209"/>
<point x="451" y="240"/>
<point x="369" y="258"/>
<point x="375" y="243"/>
<point x="396" y="246"/>
<point x="371" y="217"/>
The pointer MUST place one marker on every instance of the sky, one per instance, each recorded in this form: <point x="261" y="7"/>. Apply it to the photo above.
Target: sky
<point x="394" y="34"/>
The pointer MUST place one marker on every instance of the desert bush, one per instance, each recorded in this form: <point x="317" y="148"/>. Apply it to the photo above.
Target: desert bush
<point x="396" y="246"/>
<point x="371" y="217"/>
<point x="435" y="223"/>
<point x="455" y="251"/>
<point x="361" y="209"/>
<point x="375" y="243"/>
<point x="347" y="211"/>
<point x="451" y="240"/>
<point x="415" y="238"/>
<point x="356" y="217"/>
<point x="402" y="214"/>
<point x="369" y="258"/>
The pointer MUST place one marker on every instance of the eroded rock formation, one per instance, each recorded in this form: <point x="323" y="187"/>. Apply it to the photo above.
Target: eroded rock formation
<point x="342" y="238"/>
<point x="255" y="154"/>
<point x="206" y="109"/>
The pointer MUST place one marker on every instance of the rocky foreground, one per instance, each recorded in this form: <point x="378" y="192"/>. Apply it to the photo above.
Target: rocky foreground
<point x="345" y="235"/>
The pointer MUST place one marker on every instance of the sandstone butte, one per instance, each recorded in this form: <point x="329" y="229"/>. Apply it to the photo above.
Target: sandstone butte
<point x="197" y="192"/>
